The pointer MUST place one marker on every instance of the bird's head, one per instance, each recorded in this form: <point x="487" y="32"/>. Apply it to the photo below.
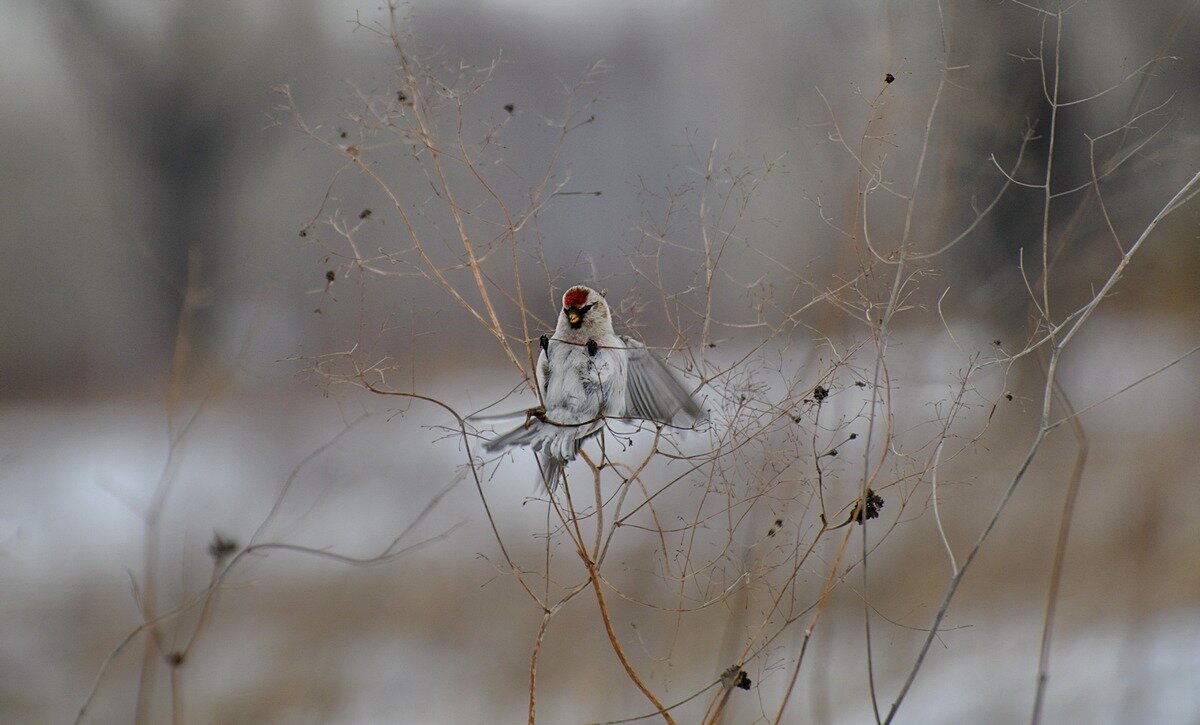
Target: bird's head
<point x="584" y="310"/>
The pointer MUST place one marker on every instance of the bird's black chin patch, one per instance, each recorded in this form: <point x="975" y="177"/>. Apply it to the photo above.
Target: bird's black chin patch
<point x="575" y="315"/>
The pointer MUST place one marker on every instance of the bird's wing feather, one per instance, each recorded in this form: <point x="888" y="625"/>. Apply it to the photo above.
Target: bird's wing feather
<point x="652" y="391"/>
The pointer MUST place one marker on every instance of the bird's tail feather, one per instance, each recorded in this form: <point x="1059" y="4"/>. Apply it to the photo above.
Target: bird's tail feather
<point x="519" y="436"/>
<point x="555" y="446"/>
<point x="496" y="417"/>
<point x="551" y="470"/>
<point x="552" y="462"/>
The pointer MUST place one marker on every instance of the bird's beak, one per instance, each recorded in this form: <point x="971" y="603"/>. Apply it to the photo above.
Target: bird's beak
<point x="574" y="316"/>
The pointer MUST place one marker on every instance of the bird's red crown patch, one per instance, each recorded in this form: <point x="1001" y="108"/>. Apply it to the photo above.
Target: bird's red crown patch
<point x="575" y="297"/>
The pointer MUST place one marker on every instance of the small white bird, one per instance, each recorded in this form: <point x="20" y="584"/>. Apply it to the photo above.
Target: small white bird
<point x="587" y="373"/>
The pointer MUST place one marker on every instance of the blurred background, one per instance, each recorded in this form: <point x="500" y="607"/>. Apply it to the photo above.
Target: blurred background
<point x="162" y="310"/>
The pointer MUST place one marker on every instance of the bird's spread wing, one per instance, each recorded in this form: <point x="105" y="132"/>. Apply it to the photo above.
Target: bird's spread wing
<point x="652" y="391"/>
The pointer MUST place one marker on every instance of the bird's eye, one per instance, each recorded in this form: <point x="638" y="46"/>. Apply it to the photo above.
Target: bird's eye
<point x="581" y="310"/>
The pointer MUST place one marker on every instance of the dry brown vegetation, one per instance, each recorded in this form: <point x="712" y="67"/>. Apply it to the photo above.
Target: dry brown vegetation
<point x="836" y="424"/>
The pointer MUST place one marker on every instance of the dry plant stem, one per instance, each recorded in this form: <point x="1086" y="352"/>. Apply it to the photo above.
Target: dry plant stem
<point x="444" y="160"/>
<point x="817" y="463"/>
<point x="256" y="545"/>
<point x="1086" y="311"/>
<point x="612" y="638"/>
<point x="1178" y="359"/>
<point x="570" y="519"/>
<point x="812" y="625"/>
<point x="206" y="596"/>
<point x="1060" y="549"/>
<point x="1034" y="447"/>
<point x="717" y="706"/>
<point x="533" y="662"/>
<point x="130" y="637"/>
<point x="599" y="526"/>
<point x="693" y="528"/>
<point x="543" y="628"/>
<point x="705" y="234"/>
<point x="534" y="203"/>
<point x="466" y="439"/>
<point x="635" y="474"/>
<point x="417" y="84"/>
<point x="180" y="355"/>
<point x="1052" y="99"/>
<point x="210" y="602"/>
<point x="1081" y="316"/>
<point x="733" y="446"/>
<point x="1008" y="181"/>
<point x="411" y="231"/>
<point x="881" y="336"/>
<point x="796" y="566"/>
<point x="511" y="224"/>
<point x="684" y="577"/>
<point x="649" y="715"/>
<point x="937" y="516"/>
<point x="491" y="324"/>
<point x="594" y="578"/>
<point x="955" y="406"/>
<point x="177" y="708"/>
<point x="431" y="142"/>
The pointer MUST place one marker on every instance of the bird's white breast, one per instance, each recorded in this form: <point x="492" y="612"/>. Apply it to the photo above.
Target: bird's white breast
<point x="578" y="387"/>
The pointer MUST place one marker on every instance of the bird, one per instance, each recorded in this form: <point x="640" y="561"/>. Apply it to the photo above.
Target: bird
<point x="585" y="374"/>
